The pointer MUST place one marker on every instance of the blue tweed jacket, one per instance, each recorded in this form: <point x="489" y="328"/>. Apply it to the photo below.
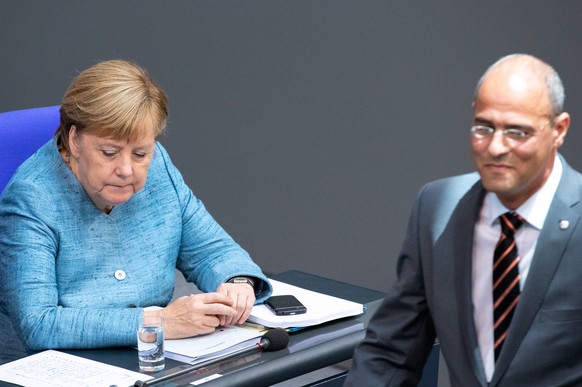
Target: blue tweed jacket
<point x="74" y="277"/>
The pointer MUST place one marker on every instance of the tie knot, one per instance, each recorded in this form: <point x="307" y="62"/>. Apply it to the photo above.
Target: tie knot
<point x="510" y="222"/>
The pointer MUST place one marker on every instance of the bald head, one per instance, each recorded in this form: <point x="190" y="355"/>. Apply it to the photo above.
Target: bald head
<point x="518" y="94"/>
<point x="529" y="71"/>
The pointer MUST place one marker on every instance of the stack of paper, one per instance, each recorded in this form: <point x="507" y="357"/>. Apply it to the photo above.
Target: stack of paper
<point x="221" y="342"/>
<point x="320" y="308"/>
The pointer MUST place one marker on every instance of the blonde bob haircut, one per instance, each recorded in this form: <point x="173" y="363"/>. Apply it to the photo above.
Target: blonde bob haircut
<point x="113" y="99"/>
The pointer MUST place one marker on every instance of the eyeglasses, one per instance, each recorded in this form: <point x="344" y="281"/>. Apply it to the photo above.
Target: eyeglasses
<point x="517" y="135"/>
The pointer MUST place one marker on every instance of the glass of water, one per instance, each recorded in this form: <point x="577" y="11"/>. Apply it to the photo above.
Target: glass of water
<point x="150" y="343"/>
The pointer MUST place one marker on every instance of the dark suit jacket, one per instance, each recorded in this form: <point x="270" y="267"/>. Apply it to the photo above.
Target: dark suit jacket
<point x="432" y="297"/>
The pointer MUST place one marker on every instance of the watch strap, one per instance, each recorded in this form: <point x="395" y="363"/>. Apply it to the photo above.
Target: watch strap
<point x="242" y="280"/>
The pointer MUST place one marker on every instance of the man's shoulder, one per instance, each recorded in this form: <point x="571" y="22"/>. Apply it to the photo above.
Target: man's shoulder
<point x="573" y="175"/>
<point x="443" y="195"/>
<point x="439" y="199"/>
<point x="453" y="185"/>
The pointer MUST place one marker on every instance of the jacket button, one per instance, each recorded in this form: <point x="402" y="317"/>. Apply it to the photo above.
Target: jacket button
<point x="120" y="275"/>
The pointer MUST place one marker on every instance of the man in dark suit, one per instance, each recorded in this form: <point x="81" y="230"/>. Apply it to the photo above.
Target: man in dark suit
<point x="492" y="261"/>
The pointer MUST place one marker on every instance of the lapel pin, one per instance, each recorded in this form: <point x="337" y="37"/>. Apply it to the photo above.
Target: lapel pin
<point x="564" y="224"/>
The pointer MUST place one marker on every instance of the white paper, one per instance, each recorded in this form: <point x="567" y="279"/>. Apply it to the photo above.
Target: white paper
<point x="320" y="308"/>
<point x="54" y="368"/>
<point x="221" y="342"/>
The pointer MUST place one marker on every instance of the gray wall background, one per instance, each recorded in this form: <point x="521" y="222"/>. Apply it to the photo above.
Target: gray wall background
<point x="306" y="127"/>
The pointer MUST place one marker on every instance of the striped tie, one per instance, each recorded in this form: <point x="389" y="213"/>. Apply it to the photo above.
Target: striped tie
<point x="505" y="279"/>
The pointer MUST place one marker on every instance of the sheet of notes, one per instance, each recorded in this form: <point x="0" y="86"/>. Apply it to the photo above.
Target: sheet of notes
<point x="54" y="368"/>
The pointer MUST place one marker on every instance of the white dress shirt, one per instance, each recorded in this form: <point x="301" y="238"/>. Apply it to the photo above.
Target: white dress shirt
<point x="487" y="232"/>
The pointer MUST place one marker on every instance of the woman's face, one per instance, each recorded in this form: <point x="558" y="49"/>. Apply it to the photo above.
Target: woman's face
<point x="111" y="171"/>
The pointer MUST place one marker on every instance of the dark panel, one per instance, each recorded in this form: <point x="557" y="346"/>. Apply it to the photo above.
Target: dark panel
<point x="306" y="127"/>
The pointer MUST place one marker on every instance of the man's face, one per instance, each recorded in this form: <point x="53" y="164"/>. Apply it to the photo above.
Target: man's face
<point x="110" y="171"/>
<point x="515" y="169"/>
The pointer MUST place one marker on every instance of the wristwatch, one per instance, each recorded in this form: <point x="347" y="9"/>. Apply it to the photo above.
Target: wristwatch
<point x="242" y="280"/>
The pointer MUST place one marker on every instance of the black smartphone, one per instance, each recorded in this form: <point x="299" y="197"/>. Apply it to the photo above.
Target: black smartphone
<point x="286" y="305"/>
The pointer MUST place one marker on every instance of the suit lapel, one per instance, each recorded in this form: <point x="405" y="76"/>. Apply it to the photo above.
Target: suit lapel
<point x="550" y="248"/>
<point x="464" y="218"/>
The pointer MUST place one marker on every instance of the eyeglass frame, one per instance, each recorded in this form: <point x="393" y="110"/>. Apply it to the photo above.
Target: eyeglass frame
<point x="521" y="135"/>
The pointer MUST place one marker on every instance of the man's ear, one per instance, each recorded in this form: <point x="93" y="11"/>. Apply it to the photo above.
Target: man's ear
<point x="561" y="125"/>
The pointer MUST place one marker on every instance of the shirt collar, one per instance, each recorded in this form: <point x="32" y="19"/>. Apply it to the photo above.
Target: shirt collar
<point x="535" y="209"/>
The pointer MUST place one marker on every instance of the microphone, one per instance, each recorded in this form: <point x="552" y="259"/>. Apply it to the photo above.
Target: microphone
<point x="273" y="340"/>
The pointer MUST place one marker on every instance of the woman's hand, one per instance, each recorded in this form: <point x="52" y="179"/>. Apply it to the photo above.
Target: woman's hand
<point x="243" y="299"/>
<point x="195" y="315"/>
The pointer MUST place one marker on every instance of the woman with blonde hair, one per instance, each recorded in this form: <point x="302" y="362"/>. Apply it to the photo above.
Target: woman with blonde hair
<point x="93" y="225"/>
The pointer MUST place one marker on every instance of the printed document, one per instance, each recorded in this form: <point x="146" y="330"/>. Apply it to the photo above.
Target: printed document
<point x="58" y="369"/>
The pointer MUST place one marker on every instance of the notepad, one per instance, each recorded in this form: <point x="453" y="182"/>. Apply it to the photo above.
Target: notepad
<point x="321" y="308"/>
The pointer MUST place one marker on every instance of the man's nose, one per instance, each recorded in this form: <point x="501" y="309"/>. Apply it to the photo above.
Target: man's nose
<point x="498" y="144"/>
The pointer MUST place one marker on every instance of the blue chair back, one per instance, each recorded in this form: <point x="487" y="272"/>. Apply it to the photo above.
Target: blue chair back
<point x="23" y="132"/>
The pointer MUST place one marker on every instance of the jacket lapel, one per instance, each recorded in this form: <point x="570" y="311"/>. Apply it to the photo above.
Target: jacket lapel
<point x="465" y="217"/>
<point x="550" y="248"/>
